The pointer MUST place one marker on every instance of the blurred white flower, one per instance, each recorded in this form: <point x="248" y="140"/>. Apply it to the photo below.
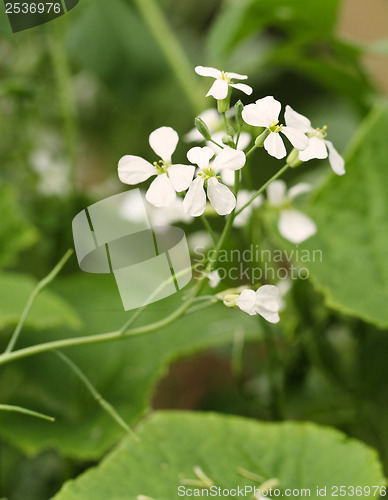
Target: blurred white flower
<point x="54" y="174"/>
<point x="265" y="113"/>
<point x="293" y="225"/>
<point x="318" y="147"/>
<point x="214" y="278"/>
<point x="220" y="88"/>
<point x="220" y="196"/>
<point x="170" y="178"/>
<point x="243" y="197"/>
<point x="265" y="301"/>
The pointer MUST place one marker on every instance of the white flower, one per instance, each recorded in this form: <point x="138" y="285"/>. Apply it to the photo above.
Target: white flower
<point x="220" y="196"/>
<point x="214" y="278"/>
<point x="170" y="178"/>
<point x="319" y="147"/>
<point x="265" y="113"/>
<point x="243" y="197"/>
<point x="293" y="225"/>
<point x="265" y="301"/>
<point x="220" y="88"/>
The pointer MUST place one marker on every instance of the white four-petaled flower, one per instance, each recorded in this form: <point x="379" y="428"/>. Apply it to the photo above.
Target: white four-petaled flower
<point x="220" y="88"/>
<point x="293" y="225"/>
<point x="220" y="196"/>
<point x="265" y="301"/>
<point x="170" y="178"/>
<point x="265" y="113"/>
<point x="318" y="147"/>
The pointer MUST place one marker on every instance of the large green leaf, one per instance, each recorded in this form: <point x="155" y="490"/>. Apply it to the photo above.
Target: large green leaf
<point x="351" y="213"/>
<point x="299" y="455"/>
<point x="240" y="19"/>
<point x="47" y="310"/>
<point x="124" y="372"/>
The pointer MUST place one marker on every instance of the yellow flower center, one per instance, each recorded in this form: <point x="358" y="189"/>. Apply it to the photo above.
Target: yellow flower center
<point x="319" y="132"/>
<point x="161" y="166"/>
<point x="275" y="127"/>
<point x="225" y="76"/>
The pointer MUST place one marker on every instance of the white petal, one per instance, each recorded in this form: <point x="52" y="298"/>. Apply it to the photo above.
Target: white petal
<point x="336" y="161"/>
<point x="236" y="76"/>
<point x="231" y="159"/>
<point x="296" y="120"/>
<point x="200" y="156"/>
<point x="275" y="146"/>
<point x="277" y="193"/>
<point x="161" y="192"/>
<point x="244" y="88"/>
<point x="315" y="149"/>
<point x="263" y="113"/>
<point x="208" y="71"/>
<point x="297" y="138"/>
<point x="247" y="302"/>
<point x="298" y="189"/>
<point x="133" y="169"/>
<point x="163" y="141"/>
<point x="214" y="279"/>
<point x="219" y="90"/>
<point x="268" y="303"/>
<point x="295" y="226"/>
<point x="180" y="176"/>
<point x="195" y="199"/>
<point x="227" y="176"/>
<point x="220" y="196"/>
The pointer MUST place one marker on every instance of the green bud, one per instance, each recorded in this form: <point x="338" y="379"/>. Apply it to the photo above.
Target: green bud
<point x="230" y="130"/>
<point x="293" y="159"/>
<point x="202" y="128"/>
<point x="239" y="106"/>
<point x="224" y="104"/>
<point x="228" y="140"/>
<point x="259" y="142"/>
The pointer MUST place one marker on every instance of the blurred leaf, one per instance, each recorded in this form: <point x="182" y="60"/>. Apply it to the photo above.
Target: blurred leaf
<point x="16" y="233"/>
<point x="239" y="19"/>
<point x="299" y="455"/>
<point x="351" y="213"/>
<point x="48" y="309"/>
<point x="124" y="372"/>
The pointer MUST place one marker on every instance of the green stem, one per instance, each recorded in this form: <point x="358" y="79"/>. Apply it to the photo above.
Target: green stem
<point x="263" y="188"/>
<point x="44" y="282"/>
<point x="25" y="411"/>
<point x="208" y="228"/>
<point x="251" y="150"/>
<point x="216" y="143"/>
<point x="96" y="395"/>
<point x="169" y="45"/>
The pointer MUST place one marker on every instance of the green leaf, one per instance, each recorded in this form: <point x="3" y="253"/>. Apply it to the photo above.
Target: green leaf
<point x="351" y="213"/>
<point x="48" y="309"/>
<point x="125" y="372"/>
<point x="239" y="19"/>
<point x="299" y="455"/>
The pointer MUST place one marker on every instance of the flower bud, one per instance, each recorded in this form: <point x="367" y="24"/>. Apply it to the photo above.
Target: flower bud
<point x="259" y="142"/>
<point x="293" y="159"/>
<point x="228" y="140"/>
<point x="202" y="128"/>
<point x="239" y="106"/>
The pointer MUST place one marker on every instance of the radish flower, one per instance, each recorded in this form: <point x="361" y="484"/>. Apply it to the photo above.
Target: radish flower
<point x="223" y="80"/>
<point x="170" y="178"/>
<point x="220" y="196"/>
<point x="265" y="302"/>
<point x="265" y="113"/>
<point x="318" y="147"/>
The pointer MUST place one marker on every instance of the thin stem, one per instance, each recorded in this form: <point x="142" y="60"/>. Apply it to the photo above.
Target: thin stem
<point x="169" y="45"/>
<point x="95" y="394"/>
<point x="26" y="411"/>
<point x="216" y="143"/>
<point x="225" y="121"/>
<point x="44" y="282"/>
<point x="251" y="150"/>
<point x="208" y="228"/>
<point x="263" y="188"/>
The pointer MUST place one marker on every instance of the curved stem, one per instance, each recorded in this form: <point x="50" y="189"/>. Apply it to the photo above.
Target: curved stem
<point x="263" y="188"/>
<point x="26" y="411"/>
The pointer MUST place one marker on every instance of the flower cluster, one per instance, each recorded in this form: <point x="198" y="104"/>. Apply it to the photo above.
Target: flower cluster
<point x="211" y="168"/>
